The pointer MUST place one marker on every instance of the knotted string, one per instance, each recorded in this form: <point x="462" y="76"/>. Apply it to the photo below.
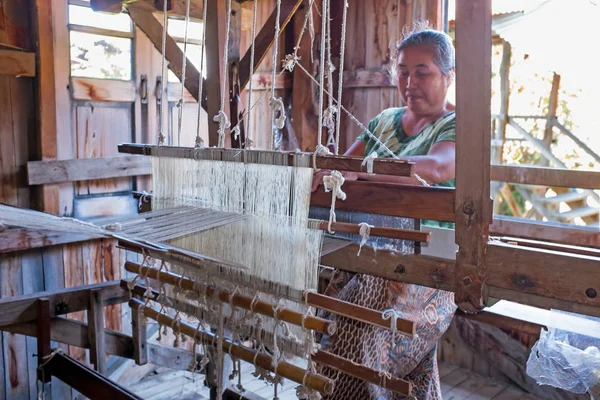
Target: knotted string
<point x="364" y="232"/>
<point x="334" y="184"/>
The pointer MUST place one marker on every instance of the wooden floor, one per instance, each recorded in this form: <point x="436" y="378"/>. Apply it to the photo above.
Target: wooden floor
<point x="457" y="384"/>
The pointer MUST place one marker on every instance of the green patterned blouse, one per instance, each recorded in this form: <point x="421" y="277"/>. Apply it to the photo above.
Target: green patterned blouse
<point x="387" y="127"/>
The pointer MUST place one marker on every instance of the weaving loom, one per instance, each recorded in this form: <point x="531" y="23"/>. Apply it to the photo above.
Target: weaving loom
<point x="231" y="245"/>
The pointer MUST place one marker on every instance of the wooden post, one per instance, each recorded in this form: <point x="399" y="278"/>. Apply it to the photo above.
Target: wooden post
<point x="139" y="334"/>
<point x="216" y="16"/>
<point x="96" y="331"/>
<point x="43" y="337"/>
<point x="500" y="133"/>
<point x="304" y="113"/>
<point x="551" y="116"/>
<point x="473" y="206"/>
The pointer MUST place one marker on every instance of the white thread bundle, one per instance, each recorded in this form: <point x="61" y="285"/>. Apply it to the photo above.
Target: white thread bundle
<point x="334" y="184"/>
<point x="364" y="232"/>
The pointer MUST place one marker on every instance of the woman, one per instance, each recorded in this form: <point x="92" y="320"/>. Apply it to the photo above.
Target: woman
<point x="422" y="132"/>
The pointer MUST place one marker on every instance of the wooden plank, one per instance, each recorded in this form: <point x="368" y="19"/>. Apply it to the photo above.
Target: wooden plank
<point x="546" y="176"/>
<point x="552" y="274"/>
<point x="14" y="346"/>
<point x="17" y="63"/>
<point x="99" y="128"/>
<point x="176" y="8"/>
<point x="138" y="320"/>
<point x="84" y="379"/>
<point x="113" y="259"/>
<point x="55" y="171"/>
<point x="473" y="204"/>
<point x="265" y="38"/>
<point x="92" y="89"/>
<point x="33" y="282"/>
<point x="262" y="81"/>
<point x="43" y="336"/>
<point x="17" y="309"/>
<point x="96" y="331"/>
<point x="304" y="112"/>
<point x="549" y="231"/>
<point x="409" y="268"/>
<point x="392" y="199"/>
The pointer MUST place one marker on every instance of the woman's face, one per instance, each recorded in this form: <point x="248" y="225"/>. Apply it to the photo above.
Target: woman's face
<point x="421" y="83"/>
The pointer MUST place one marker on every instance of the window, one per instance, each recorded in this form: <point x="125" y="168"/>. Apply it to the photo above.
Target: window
<point x="176" y="30"/>
<point x="101" y="44"/>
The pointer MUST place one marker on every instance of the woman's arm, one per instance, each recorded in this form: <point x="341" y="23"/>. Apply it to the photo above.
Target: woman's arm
<point x="435" y="167"/>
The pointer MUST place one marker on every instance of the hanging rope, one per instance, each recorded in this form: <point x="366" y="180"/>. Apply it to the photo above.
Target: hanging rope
<point x="163" y="77"/>
<point x="334" y="184"/>
<point x="181" y="101"/>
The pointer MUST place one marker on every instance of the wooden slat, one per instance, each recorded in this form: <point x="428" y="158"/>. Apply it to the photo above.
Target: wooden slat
<point x="85" y="380"/>
<point x="473" y="203"/>
<point x="536" y="244"/>
<point x="409" y="268"/>
<point x="19" y="309"/>
<point x="176" y="8"/>
<point x="24" y="239"/>
<point x="138" y="321"/>
<point x="56" y="171"/>
<point x="546" y="176"/>
<point x="265" y="38"/>
<point x="17" y="63"/>
<point x="549" y="231"/>
<point x="546" y="273"/>
<point x="392" y="199"/>
<point x="43" y="335"/>
<point x="92" y="89"/>
<point x="96" y="331"/>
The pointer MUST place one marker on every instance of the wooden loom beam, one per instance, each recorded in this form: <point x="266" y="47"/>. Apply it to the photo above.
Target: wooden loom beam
<point x="473" y="207"/>
<point x="344" y="163"/>
<point x="314" y="381"/>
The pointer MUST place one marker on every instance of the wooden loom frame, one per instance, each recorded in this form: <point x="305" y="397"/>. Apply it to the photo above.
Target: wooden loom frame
<point x="523" y="272"/>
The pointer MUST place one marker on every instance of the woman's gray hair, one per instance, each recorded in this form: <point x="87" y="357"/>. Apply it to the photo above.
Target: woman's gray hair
<point x="423" y="36"/>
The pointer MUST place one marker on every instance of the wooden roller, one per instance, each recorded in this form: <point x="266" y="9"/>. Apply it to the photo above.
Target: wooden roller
<point x="286" y="370"/>
<point x="312" y="299"/>
<point x="245" y="302"/>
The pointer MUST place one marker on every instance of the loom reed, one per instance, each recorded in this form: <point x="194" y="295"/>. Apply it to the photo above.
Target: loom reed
<point x="237" y="300"/>
<point x="284" y="369"/>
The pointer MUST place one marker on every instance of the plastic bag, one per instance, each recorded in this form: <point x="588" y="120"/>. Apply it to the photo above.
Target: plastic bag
<point x="568" y="359"/>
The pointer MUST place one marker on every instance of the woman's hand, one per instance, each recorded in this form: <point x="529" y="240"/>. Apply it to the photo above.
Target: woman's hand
<point x="318" y="177"/>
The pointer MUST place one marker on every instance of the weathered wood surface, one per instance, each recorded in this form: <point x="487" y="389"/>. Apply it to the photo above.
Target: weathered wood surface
<point x="473" y="204"/>
<point x="17" y="239"/>
<point x="551" y="274"/>
<point x="265" y="38"/>
<point x="96" y="334"/>
<point x="392" y="199"/>
<point x="44" y="172"/>
<point x="546" y="176"/>
<point x="548" y="231"/>
<point x="409" y="268"/>
<point x="91" y="89"/>
<point x="17" y="63"/>
<point x="16" y="309"/>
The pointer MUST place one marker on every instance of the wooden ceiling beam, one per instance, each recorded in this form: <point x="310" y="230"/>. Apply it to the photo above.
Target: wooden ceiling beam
<point x="265" y="38"/>
<point x="176" y="8"/>
<point x="153" y="29"/>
